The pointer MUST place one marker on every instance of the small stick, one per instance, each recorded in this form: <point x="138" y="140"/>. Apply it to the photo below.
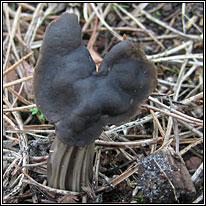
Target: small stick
<point x="192" y="99"/>
<point x="174" y="111"/>
<point x="22" y="99"/>
<point x="46" y="188"/>
<point x="22" y="109"/>
<point x="199" y="122"/>
<point x="173" y="187"/>
<point x="177" y="57"/>
<point x="197" y="173"/>
<point x="139" y="24"/>
<point x="17" y="63"/>
<point x="163" y="24"/>
<point x="131" y="143"/>
<point x="158" y="123"/>
<point x="171" y="51"/>
<point x="5" y="85"/>
<point x="192" y="129"/>
<point x="104" y="23"/>
<point x="186" y="149"/>
<point x="132" y="124"/>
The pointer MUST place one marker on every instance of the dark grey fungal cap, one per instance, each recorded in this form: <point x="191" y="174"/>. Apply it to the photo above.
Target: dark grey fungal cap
<point x="76" y="98"/>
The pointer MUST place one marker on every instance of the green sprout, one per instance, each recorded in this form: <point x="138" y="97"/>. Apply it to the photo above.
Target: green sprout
<point x="35" y="111"/>
<point x="157" y="14"/>
<point x="169" y="69"/>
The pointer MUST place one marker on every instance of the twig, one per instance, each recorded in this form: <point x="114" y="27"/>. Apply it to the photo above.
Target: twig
<point x="192" y="129"/>
<point x="199" y="199"/>
<point x="27" y="131"/>
<point x="174" y="110"/>
<point x="158" y="123"/>
<point x="17" y="63"/>
<point x="22" y="99"/>
<point x="197" y="173"/>
<point x="11" y="33"/>
<point x="195" y="143"/>
<point x="22" y="109"/>
<point x="131" y="144"/>
<point x="46" y="188"/>
<point x="139" y="24"/>
<point x="15" y="190"/>
<point x="173" y="187"/>
<point x="173" y="84"/>
<point x="198" y="122"/>
<point x="179" y="57"/>
<point x="5" y="85"/>
<point x="171" y="51"/>
<point x="132" y="124"/>
<point x="104" y="23"/>
<point x="192" y="99"/>
<point x="163" y="24"/>
<point x="119" y="179"/>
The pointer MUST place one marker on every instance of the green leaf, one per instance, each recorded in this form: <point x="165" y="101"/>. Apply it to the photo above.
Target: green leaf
<point x="169" y="69"/>
<point x="34" y="110"/>
<point x="157" y="14"/>
<point x="41" y="116"/>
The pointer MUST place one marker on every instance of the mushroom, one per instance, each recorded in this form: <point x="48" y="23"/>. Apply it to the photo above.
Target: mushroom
<point x="80" y="101"/>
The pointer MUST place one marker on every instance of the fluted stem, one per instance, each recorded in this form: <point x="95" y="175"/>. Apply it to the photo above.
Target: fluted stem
<point x="70" y="167"/>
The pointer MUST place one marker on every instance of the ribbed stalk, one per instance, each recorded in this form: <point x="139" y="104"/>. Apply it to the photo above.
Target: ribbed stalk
<point x="70" y="167"/>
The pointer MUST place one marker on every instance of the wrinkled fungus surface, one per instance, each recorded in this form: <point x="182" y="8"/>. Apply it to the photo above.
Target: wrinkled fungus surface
<point x="79" y="100"/>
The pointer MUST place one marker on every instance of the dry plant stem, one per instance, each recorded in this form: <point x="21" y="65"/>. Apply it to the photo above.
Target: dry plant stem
<point x="176" y="90"/>
<point x="173" y="84"/>
<point x="26" y="6"/>
<point x="174" y="110"/>
<point x="16" y="64"/>
<point x="195" y="143"/>
<point x="197" y="173"/>
<point x="191" y="128"/>
<point x="179" y="57"/>
<point x="131" y="144"/>
<point x="139" y="24"/>
<point x="158" y="124"/>
<point x="199" y="199"/>
<point x="91" y="16"/>
<point x="173" y="187"/>
<point x="22" y="109"/>
<point x="97" y="164"/>
<point x="104" y="23"/>
<point x="163" y="24"/>
<point x="171" y="51"/>
<point x="17" y="81"/>
<point x="23" y="145"/>
<point x="22" y="99"/>
<point x="16" y="98"/>
<point x="11" y="34"/>
<point x="30" y="130"/>
<point x="46" y="188"/>
<point x="192" y="99"/>
<point x="132" y="124"/>
<point x="95" y="33"/>
<point x="33" y="26"/>
<point x="199" y="122"/>
<point x="119" y="179"/>
<point x="70" y="167"/>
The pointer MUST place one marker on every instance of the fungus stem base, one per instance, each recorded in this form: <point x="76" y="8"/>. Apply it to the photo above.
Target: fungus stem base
<point x="70" y="167"/>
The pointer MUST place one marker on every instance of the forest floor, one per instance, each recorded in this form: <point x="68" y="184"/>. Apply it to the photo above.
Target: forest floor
<point x="157" y="157"/>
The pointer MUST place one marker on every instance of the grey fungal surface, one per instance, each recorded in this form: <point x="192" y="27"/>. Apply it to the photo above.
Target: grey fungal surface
<point x="76" y="98"/>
